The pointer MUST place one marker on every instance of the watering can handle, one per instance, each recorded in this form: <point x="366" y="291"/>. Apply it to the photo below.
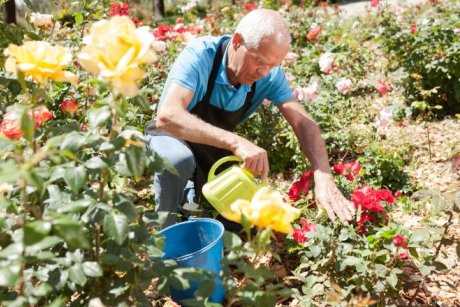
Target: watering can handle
<point x="218" y="163"/>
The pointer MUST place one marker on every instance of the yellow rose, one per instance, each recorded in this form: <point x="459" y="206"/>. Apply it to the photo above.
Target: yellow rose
<point x="114" y="50"/>
<point x="40" y="61"/>
<point x="267" y="209"/>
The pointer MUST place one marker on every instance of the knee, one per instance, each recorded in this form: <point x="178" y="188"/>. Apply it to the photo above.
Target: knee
<point x="184" y="163"/>
<point x="177" y="153"/>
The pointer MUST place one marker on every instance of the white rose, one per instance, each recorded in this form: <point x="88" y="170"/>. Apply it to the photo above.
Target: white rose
<point x="326" y="62"/>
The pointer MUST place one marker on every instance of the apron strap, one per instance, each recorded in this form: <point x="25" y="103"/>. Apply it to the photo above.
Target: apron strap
<point x="215" y="68"/>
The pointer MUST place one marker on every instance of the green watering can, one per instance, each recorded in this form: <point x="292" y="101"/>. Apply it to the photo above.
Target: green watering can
<point x="224" y="189"/>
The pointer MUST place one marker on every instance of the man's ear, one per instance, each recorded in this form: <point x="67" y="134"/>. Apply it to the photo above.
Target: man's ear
<point x="237" y="40"/>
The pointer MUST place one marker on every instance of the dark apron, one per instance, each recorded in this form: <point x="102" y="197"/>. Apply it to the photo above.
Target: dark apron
<point x="206" y="155"/>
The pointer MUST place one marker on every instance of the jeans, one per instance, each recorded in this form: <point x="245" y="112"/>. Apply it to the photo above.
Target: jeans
<point x="171" y="191"/>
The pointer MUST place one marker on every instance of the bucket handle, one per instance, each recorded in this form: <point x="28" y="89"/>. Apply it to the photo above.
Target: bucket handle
<point x="218" y="163"/>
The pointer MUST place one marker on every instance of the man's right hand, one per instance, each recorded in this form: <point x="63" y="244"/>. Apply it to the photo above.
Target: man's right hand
<point x="254" y="157"/>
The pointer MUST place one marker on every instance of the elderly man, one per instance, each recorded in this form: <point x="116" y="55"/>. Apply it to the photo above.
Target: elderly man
<point x="215" y="84"/>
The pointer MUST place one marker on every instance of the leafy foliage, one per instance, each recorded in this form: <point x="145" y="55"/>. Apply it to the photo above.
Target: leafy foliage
<point x="431" y="72"/>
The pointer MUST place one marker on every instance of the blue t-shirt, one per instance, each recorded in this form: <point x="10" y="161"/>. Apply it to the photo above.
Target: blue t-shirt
<point x="192" y="69"/>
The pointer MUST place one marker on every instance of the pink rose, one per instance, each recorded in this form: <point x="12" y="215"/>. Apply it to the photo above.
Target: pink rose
<point x="344" y="86"/>
<point x="383" y="87"/>
<point x="309" y="93"/>
<point x="313" y="33"/>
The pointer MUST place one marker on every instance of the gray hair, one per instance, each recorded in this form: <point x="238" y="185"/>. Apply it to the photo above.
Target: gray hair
<point x="262" y="23"/>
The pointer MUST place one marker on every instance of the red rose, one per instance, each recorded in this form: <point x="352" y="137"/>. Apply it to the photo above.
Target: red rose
<point x="314" y="33"/>
<point x="385" y="195"/>
<point x="41" y="115"/>
<point x="349" y="170"/>
<point x="11" y="127"/>
<point x="361" y="223"/>
<point x="119" y="9"/>
<point x="404" y="255"/>
<point x="69" y="106"/>
<point x="400" y="241"/>
<point x="299" y="236"/>
<point x="249" y="6"/>
<point x="413" y="28"/>
<point x="339" y="168"/>
<point x="374" y="3"/>
<point x="301" y="186"/>
<point x="366" y="198"/>
<point x="161" y="32"/>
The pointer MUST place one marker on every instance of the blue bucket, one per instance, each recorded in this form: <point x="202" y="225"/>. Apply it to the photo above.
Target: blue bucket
<point x="196" y="243"/>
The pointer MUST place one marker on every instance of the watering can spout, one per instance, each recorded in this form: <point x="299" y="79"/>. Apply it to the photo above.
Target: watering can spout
<point x="223" y="189"/>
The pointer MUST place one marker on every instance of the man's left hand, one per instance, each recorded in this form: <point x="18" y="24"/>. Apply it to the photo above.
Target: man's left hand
<point x="329" y="197"/>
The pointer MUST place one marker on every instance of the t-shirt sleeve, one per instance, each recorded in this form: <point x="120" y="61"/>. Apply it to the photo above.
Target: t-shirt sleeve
<point x="280" y="90"/>
<point x="185" y="69"/>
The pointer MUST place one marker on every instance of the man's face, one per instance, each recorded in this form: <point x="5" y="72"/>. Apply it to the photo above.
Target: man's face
<point x="252" y="64"/>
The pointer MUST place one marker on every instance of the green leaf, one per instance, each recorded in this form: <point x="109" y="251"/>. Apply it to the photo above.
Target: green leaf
<point x="42" y="290"/>
<point x="5" y="144"/>
<point x="92" y="269"/>
<point x="97" y="117"/>
<point x="9" y="274"/>
<point x="420" y="235"/>
<point x="13" y="250"/>
<point x="78" y="18"/>
<point x="75" y="177"/>
<point x="381" y="270"/>
<point x="76" y="206"/>
<point x="135" y="160"/>
<point x="349" y="261"/>
<point x="263" y="238"/>
<point x="73" y="141"/>
<point x="96" y="163"/>
<point x="116" y="226"/>
<point x="36" y="231"/>
<point x="425" y="269"/>
<point x="315" y="250"/>
<point x="119" y="290"/>
<point x="392" y="279"/>
<point x="27" y="125"/>
<point x="76" y="274"/>
<point x="159" y="164"/>
<point x="440" y="266"/>
<point x="46" y="243"/>
<point x="58" y="302"/>
<point x="9" y="171"/>
<point x="71" y="231"/>
<point x="126" y="206"/>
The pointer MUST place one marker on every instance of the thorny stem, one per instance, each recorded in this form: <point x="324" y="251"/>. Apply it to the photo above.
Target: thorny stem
<point x="438" y="249"/>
